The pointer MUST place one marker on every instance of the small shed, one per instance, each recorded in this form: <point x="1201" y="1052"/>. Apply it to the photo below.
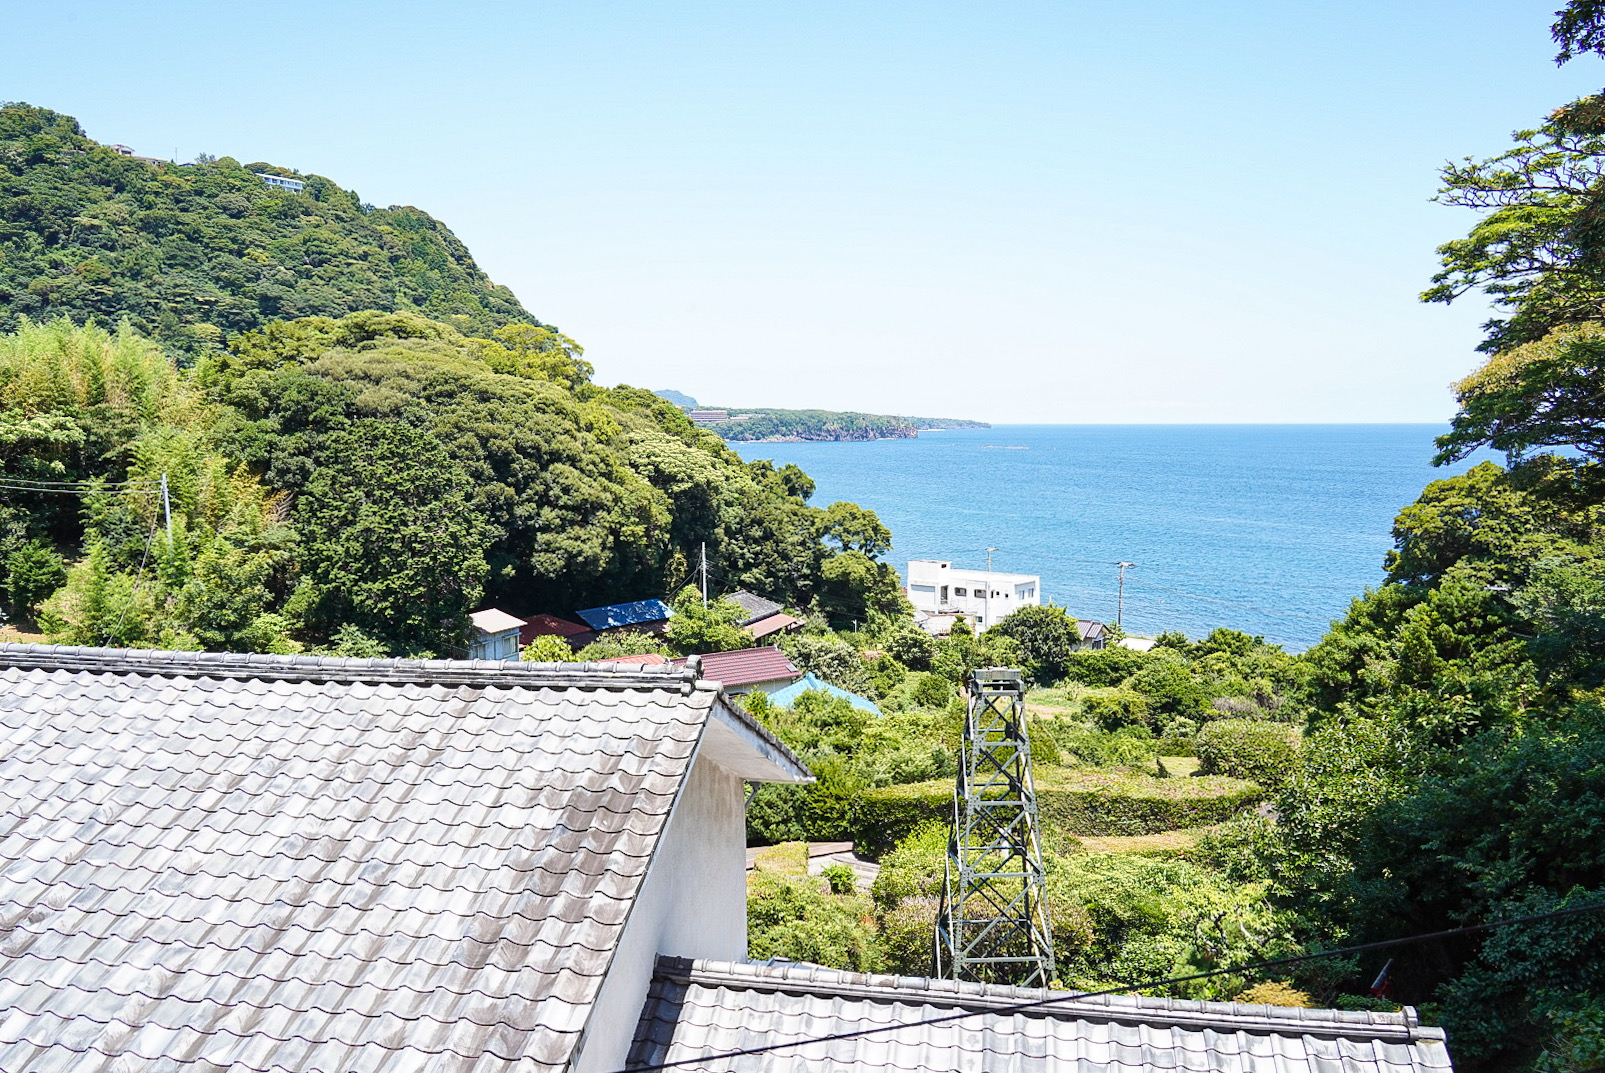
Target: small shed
<point x="494" y="636"/>
<point x="810" y="682"/>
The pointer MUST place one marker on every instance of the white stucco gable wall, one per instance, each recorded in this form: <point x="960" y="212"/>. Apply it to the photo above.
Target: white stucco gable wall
<point x="693" y="903"/>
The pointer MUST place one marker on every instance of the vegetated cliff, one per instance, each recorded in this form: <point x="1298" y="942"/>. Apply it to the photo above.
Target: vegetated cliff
<point x="188" y="254"/>
<point x="784" y="425"/>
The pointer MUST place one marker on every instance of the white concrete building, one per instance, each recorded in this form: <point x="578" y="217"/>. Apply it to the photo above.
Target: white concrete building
<point x="936" y="587"/>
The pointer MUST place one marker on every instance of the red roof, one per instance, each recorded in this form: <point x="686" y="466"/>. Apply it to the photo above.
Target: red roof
<point x="645" y="659"/>
<point x="549" y="626"/>
<point x="746" y="667"/>
<point x="771" y="624"/>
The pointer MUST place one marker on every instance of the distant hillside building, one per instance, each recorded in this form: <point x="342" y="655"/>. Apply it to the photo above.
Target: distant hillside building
<point x="937" y="588"/>
<point x="279" y="182"/>
<point x="708" y="417"/>
<point x="123" y="150"/>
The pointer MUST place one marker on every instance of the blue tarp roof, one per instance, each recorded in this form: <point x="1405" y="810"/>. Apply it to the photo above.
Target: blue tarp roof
<point x="630" y="614"/>
<point x="785" y="698"/>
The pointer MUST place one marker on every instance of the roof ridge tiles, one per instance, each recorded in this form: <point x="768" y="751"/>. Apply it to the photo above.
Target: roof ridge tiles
<point x="1255" y="1019"/>
<point x="255" y="665"/>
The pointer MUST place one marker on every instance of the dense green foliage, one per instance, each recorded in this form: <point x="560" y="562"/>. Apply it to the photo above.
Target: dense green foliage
<point x="189" y="255"/>
<point x="385" y="474"/>
<point x="1047" y="637"/>
<point x="1248" y="749"/>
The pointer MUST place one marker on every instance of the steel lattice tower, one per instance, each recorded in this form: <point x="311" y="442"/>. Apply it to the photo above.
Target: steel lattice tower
<point x="993" y="925"/>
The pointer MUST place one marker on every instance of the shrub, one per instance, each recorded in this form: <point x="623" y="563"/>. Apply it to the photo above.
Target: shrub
<point x="908" y="936"/>
<point x="1127" y="747"/>
<point x="886" y="676"/>
<point x="1116" y="708"/>
<point x="1105" y="666"/>
<point x="1044" y="749"/>
<point x="776" y="815"/>
<point x="696" y="627"/>
<point x="1275" y="992"/>
<point x="912" y="647"/>
<point x="1152" y="917"/>
<point x="1180" y="739"/>
<point x="789" y="916"/>
<point x="1109" y="803"/>
<point x="831" y="658"/>
<point x="620" y="643"/>
<point x="1248" y="749"/>
<point x="1368" y="1003"/>
<point x="547" y="648"/>
<point x="840" y="878"/>
<point x="32" y="573"/>
<point x="1071" y="802"/>
<point x="914" y="869"/>
<point x="1172" y="691"/>
<point x="930" y="691"/>
<point x="825" y="811"/>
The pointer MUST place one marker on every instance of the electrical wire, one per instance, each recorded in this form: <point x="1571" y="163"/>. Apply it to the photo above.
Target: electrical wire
<point x="1232" y="603"/>
<point x="133" y="593"/>
<point x="1045" y="1004"/>
<point x="25" y="485"/>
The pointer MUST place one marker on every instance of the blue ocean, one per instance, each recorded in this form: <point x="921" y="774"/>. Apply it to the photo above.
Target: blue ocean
<point x="1271" y="529"/>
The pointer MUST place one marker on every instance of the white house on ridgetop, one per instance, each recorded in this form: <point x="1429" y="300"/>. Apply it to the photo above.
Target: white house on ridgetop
<point x="937" y="588"/>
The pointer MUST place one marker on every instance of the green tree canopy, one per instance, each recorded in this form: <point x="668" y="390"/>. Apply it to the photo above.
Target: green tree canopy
<point x="1046" y="636"/>
<point x="392" y="541"/>
<point x="191" y="254"/>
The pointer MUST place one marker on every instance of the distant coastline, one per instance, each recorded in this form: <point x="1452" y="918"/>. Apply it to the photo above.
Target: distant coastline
<point x="749" y="425"/>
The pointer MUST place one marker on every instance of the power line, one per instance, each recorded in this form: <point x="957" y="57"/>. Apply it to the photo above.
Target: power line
<point x="1044" y="1004"/>
<point x="133" y="593"/>
<point x="25" y="485"/>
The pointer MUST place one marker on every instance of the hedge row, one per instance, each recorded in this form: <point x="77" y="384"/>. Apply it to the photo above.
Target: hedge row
<point x="1076" y="803"/>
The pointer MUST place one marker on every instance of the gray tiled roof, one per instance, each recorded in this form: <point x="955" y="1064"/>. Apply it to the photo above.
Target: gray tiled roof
<point x="698" y="1008"/>
<point x="754" y="606"/>
<point x="246" y="863"/>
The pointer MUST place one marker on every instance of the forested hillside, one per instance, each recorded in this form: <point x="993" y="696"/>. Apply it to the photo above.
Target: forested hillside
<point x="189" y="255"/>
<point x="371" y="479"/>
<point x="364" y="437"/>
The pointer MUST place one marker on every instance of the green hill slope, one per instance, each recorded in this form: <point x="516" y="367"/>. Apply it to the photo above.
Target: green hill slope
<point x="190" y="254"/>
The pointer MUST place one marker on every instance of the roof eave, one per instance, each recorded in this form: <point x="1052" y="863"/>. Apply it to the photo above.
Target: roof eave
<point x="738" y="744"/>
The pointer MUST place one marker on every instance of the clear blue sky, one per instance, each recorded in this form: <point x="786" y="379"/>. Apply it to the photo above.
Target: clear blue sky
<point x="1023" y="212"/>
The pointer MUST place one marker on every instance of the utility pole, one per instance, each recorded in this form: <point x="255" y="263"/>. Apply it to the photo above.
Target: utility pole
<point x="704" y="573"/>
<point x="1120" y="600"/>
<point x="167" y="509"/>
<point x="988" y="604"/>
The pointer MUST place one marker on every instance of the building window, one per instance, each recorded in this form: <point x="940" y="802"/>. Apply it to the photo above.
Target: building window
<point x="961" y="592"/>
